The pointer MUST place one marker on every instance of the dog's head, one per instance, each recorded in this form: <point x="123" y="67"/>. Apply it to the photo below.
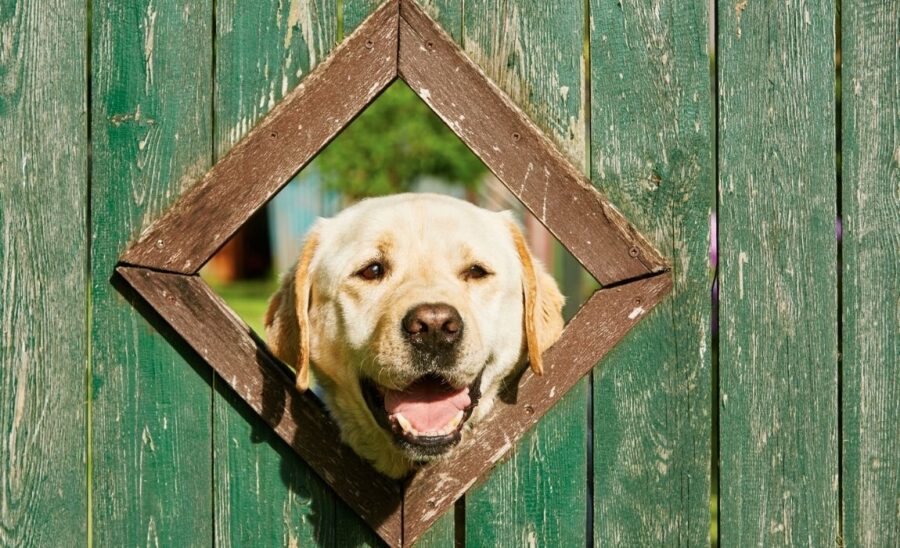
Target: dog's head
<point x="412" y="309"/>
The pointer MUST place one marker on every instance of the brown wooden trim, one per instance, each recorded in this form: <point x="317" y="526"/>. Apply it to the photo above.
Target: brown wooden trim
<point x="280" y="145"/>
<point x="208" y="326"/>
<point x="398" y="39"/>
<point x="607" y="316"/>
<point x="519" y="154"/>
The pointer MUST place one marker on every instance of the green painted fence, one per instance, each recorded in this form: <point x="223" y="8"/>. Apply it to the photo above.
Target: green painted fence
<point x="779" y="117"/>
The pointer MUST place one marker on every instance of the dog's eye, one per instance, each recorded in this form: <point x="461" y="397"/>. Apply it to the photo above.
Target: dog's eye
<point x="372" y="271"/>
<point x="474" y="272"/>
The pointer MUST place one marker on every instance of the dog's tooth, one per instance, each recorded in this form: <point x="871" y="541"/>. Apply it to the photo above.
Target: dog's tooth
<point x="456" y="420"/>
<point x="404" y="423"/>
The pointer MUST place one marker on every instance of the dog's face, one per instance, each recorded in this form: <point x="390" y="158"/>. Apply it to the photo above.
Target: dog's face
<point x="412" y="309"/>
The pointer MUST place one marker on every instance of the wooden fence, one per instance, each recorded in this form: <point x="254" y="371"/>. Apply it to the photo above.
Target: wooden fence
<point x="780" y="116"/>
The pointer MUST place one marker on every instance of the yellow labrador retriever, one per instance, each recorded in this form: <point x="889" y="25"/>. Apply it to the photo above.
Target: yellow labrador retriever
<point x="407" y="313"/>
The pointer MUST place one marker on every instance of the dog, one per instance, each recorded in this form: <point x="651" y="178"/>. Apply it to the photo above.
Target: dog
<point x="406" y="314"/>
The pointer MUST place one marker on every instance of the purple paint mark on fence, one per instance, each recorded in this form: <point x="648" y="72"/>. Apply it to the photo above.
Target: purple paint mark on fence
<point x="714" y="271"/>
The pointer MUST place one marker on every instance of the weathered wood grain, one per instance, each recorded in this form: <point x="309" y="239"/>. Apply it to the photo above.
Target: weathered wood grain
<point x="778" y="256"/>
<point x="652" y="153"/>
<point x="43" y="264"/>
<point x="533" y="51"/>
<point x="870" y="82"/>
<point x="265" y="494"/>
<point x="442" y="532"/>
<point x="209" y="327"/>
<point x="597" y="327"/>
<point x="518" y="153"/>
<point x="274" y="150"/>
<point x="447" y="13"/>
<point x="354" y="12"/>
<point x="151" y="133"/>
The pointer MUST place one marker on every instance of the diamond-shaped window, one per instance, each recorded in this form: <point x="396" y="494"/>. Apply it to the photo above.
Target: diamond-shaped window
<point x="397" y="41"/>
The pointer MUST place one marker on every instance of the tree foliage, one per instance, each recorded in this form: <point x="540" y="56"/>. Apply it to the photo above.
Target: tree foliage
<point x="394" y="142"/>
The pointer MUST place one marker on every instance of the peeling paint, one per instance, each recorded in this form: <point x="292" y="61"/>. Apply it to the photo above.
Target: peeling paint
<point x="149" y="34"/>
<point x="742" y="260"/>
<point x="738" y="10"/>
<point x="300" y="14"/>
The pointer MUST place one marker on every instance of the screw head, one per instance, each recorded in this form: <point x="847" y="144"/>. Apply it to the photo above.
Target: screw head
<point x="633" y="252"/>
<point x="516" y="136"/>
<point x="370" y="44"/>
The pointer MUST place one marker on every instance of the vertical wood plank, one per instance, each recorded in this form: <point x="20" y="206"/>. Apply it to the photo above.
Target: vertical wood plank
<point x="778" y="255"/>
<point x="43" y="265"/>
<point x="870" y="82"/>
<point x="350" y="530"/>
<point x="265" y="495"/>
<point x="533" y="51"/>
<point x="448" y="13"/>
<point x="151" y="132"/>
<point x="652" y="154"/>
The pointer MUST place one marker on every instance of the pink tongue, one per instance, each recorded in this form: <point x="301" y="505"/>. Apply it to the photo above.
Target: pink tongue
<point x="427" y="404"/>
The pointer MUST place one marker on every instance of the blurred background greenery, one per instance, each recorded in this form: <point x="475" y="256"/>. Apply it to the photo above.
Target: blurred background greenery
<point x="393" y="144"/>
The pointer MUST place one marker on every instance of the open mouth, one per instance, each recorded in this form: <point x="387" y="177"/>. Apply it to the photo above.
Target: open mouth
<point x="426" y="417"/>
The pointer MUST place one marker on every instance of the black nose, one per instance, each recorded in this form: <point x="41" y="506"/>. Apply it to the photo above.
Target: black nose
<point x="432" y="326"/>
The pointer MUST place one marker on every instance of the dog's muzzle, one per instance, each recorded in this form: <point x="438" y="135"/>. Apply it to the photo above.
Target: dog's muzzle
<point x="426" y="417"/>
<point x="433" y="331"/>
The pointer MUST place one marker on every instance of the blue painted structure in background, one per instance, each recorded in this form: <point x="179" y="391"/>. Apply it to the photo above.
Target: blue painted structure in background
<point x="294" y="210"/>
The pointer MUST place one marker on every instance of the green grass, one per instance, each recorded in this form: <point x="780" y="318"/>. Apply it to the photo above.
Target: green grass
<point x="248" y="299"/>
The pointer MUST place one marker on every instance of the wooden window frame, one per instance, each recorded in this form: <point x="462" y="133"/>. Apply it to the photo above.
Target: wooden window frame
<point x="398" y="40"/>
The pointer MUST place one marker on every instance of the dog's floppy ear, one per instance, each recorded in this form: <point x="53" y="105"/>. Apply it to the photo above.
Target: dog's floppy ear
<point x="287" y="318"/>
<point x="543" y="303"/>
